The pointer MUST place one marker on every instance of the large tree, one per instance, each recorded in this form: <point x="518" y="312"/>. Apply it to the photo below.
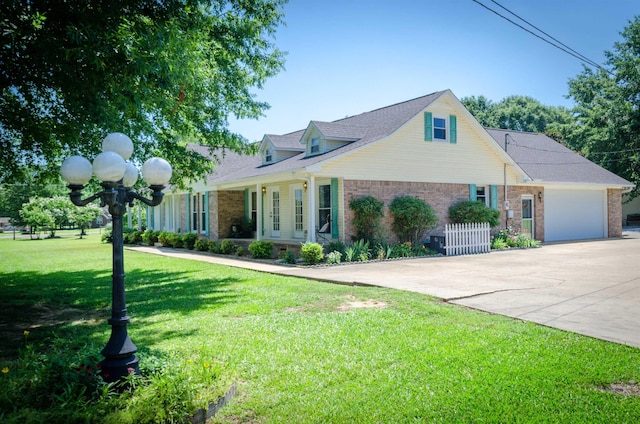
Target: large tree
<point x="164" y="72"/>
<point x="608" y="108"/>
<point x="523" y="113"/>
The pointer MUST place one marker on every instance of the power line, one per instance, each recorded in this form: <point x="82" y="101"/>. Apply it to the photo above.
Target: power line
<point x="559" y="45"/>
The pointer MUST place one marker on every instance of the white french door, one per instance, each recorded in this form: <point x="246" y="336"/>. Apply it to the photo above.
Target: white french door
<point x="298" y="211"/>
<point x="274" y="211"/>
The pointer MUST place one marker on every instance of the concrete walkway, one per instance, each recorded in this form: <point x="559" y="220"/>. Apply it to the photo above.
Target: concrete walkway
<point x="591" y="288"/>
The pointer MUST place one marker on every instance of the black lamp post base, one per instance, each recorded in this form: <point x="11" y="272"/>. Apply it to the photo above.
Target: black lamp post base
<point x="113" y="370"/>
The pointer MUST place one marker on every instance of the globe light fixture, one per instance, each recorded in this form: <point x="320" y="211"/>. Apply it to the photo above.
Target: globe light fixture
<point x="117" y="179"/>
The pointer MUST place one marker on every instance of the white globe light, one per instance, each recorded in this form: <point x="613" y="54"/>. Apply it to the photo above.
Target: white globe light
<point x="119" y="143"/>
<point x="76" y="170"/>
<point x="130" y="175"/>
<point x="156" y="171"/>
<point x="109" y="166"/>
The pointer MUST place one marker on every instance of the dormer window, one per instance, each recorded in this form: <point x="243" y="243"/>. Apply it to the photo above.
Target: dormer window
<point x="268" y="156"/>
<point x="315" y="145"/>
<point x="440" y="129"/>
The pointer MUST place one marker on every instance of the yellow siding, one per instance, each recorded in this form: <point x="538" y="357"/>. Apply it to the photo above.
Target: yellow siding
<point x="405" y="156"/>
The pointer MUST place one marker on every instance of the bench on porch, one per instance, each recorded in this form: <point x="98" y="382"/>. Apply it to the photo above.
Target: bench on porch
<point x="633" y="219"/>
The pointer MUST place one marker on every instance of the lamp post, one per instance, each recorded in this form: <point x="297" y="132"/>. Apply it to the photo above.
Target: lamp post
<point x="118" y="177"/>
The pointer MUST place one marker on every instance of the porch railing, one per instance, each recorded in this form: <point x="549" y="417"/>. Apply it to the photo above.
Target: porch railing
<point x="467" y="239"/>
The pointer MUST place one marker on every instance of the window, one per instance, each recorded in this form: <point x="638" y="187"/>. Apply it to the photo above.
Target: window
<point x="439" y="129"/>
<point x="194" y="213"/>
<point x="254" y="210"/>
<point x="203" y="214"/>
<point x="324" y="208"/>
<point x="268" y="155"/>
<point x="315" y="145"/>
<point x="482" y="195"/>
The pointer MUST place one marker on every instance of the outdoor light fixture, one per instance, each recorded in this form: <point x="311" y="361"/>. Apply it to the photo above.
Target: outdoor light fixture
<point x="304" y="185"/>
<point x="264" y="190"/>
<point x="118" y="177"/>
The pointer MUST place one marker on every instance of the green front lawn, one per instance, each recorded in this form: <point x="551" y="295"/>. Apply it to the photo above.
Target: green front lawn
<point x="299" y="351"/>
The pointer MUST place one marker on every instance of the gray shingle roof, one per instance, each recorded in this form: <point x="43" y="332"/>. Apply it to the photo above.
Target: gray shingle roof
<point x="544" y="159"/>
<point x="539" y="156"/>
<point x="376" y="124"/>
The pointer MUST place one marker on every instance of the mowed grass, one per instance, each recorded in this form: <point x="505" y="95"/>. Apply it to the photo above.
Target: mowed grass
<point x="300" y="352"/>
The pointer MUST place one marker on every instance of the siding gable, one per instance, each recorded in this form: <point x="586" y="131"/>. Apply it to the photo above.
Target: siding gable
<point x="471" y="156"/>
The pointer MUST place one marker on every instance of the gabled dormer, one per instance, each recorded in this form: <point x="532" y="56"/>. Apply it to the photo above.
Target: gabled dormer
<point x="322" y="137"/>
<point x="276" y="148"/>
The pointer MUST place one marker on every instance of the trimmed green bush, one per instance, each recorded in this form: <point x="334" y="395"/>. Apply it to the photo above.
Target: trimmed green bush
<point x="261" y="249"/>
<point x="202" y="245"/>
<point x="150" y="237"/>
<point x="227" y="247"/>
<point x="288" y="257"/>
<point x="189" y="240"/>
<point x="311" y="253"/>
<point x="468" y="212"/>
<point x="367" y="212"/>
<point x="214" y="246"/>
<point x="413" y="217"/>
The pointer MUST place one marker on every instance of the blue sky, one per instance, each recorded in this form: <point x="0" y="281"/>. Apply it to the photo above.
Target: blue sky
<point x="346" y="57"/>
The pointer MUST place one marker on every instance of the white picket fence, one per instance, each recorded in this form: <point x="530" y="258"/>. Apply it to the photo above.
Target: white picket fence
<point x="467" y="239"/>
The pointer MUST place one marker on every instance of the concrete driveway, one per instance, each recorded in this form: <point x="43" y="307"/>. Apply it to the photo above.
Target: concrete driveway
<point x="591" y="288"/>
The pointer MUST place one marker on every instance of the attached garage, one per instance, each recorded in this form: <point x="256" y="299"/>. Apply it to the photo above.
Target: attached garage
<point x="571" y="214"/>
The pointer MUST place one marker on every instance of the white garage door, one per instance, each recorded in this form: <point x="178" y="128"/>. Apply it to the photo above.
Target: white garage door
<point x="574" y="214"/>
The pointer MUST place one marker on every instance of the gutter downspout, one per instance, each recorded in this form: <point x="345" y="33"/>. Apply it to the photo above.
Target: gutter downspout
<point x="506" y="191"/>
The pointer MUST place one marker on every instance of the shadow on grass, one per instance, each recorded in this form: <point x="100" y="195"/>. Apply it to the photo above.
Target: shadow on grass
<point x="67" y="302"/>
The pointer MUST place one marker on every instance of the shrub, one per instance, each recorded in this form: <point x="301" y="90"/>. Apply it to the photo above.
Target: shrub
<point x="467" y="212"/>
<point x="164" y="239"/>
<point x="413" y="217"/>
<point x="150" y="237"/>
<point x="382" y="251"/>
<point x="510" y="237"/>
<point x="261" y="249"/>
<point x="227" y="247"/>
<point x="202" y="245"/>
<point x="288" y="257"/>
<point x="402" y="250"/>
<point x="132" y="237"/>
<point x="358" y="251"/>
<point x="176" y="240"/>
<point x="311" y="253"/>
<point x="336" y="246"/>
<point x="189" y="240"/>
<point x="367" y="212"/>
<point x="334" y="257"/>
<point x="107" y="234"/>
<point x="213" y="246"/>
<point x="239" y="251"/>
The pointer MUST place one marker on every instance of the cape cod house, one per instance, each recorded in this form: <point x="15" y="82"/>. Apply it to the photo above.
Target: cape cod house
<point x="299" y="186"/>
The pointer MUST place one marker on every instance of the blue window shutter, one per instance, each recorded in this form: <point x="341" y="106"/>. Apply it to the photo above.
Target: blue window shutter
<point x="453" y="132"/>
<point x="494" y="197"/>
<point x="206" y="213"/>
<point x="334" y="208"/>
<point x="473" y="193"/>
<point x="247" y="211"/>
<point x="428" y="126"/>
<point x="187" y="221"/>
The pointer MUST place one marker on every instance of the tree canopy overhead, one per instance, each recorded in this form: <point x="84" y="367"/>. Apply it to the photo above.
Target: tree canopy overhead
<point x="608" y="108"/>
<point x="522" y="113"/>
<point x="166" y="73"/>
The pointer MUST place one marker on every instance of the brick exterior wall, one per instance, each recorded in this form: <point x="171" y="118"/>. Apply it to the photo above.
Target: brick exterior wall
<point x="230" y="206"/>
<point x="614" y="208"/>
<point x="440" y="197"/>
<point x="514" y="194"/>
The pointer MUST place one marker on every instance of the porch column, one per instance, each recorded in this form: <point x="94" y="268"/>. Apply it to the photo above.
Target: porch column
<point x="259" y="214"/>
<point x="311" y="215"/>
